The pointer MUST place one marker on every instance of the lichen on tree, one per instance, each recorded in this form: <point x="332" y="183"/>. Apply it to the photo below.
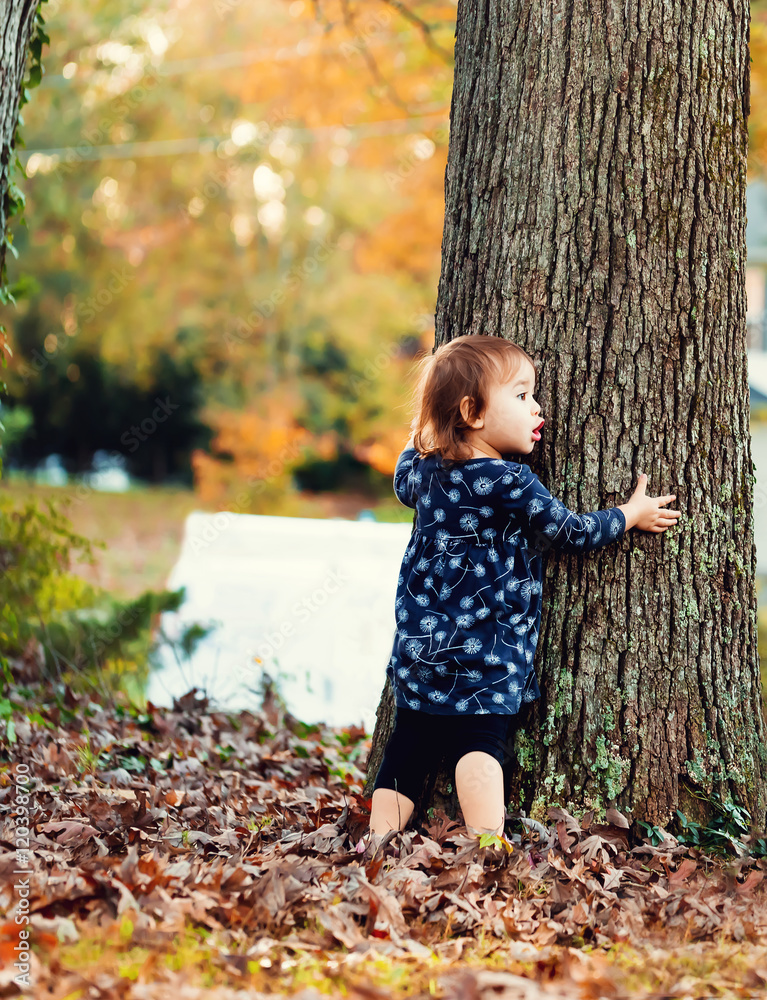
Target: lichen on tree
<point x="595" y="214"/>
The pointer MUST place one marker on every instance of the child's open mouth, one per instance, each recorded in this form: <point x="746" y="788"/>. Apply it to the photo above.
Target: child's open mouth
<point x="537" y="431"/>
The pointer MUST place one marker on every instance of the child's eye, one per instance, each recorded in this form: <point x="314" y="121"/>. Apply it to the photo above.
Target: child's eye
<point x="521" y="395"/>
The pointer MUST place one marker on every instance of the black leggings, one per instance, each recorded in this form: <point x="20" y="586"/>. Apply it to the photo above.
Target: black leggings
<point x="419" y="741"/>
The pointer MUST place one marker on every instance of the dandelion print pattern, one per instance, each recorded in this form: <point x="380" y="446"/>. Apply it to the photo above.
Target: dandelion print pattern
<point x="468" y="603"/>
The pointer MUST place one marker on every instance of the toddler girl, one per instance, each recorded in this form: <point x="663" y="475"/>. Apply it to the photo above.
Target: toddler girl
<point x="468" y="603"/>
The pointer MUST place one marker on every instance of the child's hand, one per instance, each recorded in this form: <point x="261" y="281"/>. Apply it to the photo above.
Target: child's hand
<point x="647" y="513"/>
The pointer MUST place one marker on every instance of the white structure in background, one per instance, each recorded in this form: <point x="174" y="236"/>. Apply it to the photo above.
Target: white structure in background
<point x="51" y="472"/>
<point x="756" y="319"/>
<point x="109" y="474"/>
<point x="313" y="599"/>
<point x="756" y="270"/>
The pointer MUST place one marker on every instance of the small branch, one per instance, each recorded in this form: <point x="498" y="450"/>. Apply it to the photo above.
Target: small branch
<point x="367" y="55"/>
<point x="422" y="26"/>
<point x="319" y="15"/>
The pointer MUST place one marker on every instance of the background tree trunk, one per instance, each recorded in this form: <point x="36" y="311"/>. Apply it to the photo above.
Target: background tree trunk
<point x="595" y="214"/>
<point x="16" y="21"/>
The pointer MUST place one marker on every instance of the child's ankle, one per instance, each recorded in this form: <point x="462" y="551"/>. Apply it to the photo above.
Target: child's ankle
<point x="478" y="832"/>
<point x="368" y="838"/>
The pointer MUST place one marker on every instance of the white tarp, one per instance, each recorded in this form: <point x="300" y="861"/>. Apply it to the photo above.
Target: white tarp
<point x="312" y="598"/>
<point x="759" y="458"/>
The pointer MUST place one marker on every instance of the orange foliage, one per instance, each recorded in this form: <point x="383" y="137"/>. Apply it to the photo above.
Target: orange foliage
<point x="256" y="446"/>
<point x="362" y="61"/>
<point x="409" y="239"/>
<point x="757" y="154"/>
<point x="381" y="88"/>
<point x="382" y="454"/>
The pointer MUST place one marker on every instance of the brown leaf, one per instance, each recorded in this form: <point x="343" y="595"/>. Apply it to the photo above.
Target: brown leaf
<point x="594" y="848"/>
<point x="685" y="869"/>
<point x="613" y="877"/>
<point x="72" y="833"/>
<point x="59" y="760"/>
<point x="748" y="886"/>
<point x="617" y="819"/>
<point x="340" y="922"/>
<point x="566" y="839"/>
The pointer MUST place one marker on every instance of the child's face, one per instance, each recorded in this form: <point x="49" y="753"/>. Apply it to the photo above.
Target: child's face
<point x="512" y="419"/>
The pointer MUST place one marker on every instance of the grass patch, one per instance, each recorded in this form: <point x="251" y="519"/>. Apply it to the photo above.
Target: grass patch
<point x="206" y="959"/>
<point x="144" y="527"/>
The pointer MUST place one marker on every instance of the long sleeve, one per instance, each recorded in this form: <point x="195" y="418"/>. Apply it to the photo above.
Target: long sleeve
<point x="548" y="524"/>
<point x="404" y="478"/>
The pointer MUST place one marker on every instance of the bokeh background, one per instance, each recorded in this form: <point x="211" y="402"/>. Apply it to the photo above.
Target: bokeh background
<point x="234" y="219"/>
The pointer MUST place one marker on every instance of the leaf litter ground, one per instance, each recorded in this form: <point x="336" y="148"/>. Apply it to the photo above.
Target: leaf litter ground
<point x="192" y="853"/>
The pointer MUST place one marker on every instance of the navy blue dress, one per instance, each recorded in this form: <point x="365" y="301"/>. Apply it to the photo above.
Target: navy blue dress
<point x="468" y="605"/>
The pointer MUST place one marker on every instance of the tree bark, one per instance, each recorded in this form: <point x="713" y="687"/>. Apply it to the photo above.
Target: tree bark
<point x="16" y="21"/>
<point x="595" y="214"/>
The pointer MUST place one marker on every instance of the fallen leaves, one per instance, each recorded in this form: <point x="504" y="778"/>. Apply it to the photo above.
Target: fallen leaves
<point x="249" y="834"/>
<point x="70" y="834"/>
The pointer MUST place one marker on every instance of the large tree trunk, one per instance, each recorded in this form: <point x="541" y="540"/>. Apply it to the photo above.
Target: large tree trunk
<point x="595" y="214"/>
<point x="16" y="21"/>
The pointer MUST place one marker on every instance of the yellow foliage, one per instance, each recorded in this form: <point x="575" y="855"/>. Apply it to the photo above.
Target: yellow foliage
<point x="758" y="122"/>
<point x="409" y="240"/>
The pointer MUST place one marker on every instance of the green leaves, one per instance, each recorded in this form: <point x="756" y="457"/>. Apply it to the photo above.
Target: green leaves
<point x="724" y="833"/>
<point x="493" y="840"/>
<point x="651" y="833"/>
<point x="6" y="709"/>
<point x="83" y="638"/>
<point x="14" y="201"/>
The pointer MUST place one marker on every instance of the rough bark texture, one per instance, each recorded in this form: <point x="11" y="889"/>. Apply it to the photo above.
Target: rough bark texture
<point x="16" y="20"/>
<point x="595" y="214"/>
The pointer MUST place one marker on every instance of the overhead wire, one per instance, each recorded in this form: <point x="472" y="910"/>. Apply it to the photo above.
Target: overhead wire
<point x="224" y="60"/>
<point x="209" y="144"/>
<point x="140" y="149"/>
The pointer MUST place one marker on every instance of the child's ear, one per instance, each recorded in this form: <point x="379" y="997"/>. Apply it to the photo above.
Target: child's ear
<point x="467" y="408"/>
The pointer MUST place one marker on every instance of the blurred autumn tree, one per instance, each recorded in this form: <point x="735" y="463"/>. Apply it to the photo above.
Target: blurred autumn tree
<point x="254" y="192"/>
<point x="757" y="120"/>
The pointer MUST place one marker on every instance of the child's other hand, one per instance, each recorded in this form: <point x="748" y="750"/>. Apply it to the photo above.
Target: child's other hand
<point x="648" y="513"/>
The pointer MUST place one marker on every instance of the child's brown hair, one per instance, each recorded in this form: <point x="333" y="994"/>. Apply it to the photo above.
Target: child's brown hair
<point x="465" y="366"/>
